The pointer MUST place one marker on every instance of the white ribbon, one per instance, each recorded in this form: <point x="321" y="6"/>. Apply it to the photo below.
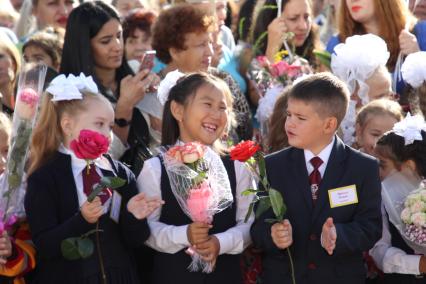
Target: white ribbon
<point x="410" y="128"/>
<point x="167" y="84"/>
<point x="64" y="88"/>
<point x="357" y="59"/>
<point x="414" y="69"/>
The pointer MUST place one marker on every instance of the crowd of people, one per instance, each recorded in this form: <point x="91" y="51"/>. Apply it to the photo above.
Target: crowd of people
<point x="332" y="92"/>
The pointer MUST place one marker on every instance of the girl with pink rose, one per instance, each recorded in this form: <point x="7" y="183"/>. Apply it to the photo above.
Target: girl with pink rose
<point x="198" y="108"/>
<point x="73" y="130"/>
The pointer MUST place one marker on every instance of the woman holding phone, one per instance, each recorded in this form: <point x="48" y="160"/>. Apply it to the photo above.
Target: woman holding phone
<point x="94" y="45"/>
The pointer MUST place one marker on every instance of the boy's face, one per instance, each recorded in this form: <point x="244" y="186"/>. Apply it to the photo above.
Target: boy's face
<point x="305" y="128"/>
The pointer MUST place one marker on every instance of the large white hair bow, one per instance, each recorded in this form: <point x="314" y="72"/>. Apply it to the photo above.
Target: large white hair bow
<point x="64" y="88"/>
<point x="413" y="69"/>
<point x="410" y="128"/>
<point x="167" y="84"/>
<point x="356" y="60"/>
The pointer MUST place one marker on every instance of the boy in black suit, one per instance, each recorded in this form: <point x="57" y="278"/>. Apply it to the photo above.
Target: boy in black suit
<point x="332" y="193"/>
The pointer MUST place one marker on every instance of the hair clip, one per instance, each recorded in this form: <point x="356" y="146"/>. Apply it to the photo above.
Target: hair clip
<point x="64" y="88"/>
<point x="167" y="84"/>
<point x="410" y="128"/>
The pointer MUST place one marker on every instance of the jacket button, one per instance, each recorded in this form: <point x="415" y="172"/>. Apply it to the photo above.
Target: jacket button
<point x="312" y="237"/>
<point x="312" y="266"/>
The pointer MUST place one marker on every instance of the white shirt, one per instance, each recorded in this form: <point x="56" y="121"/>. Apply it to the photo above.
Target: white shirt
<point x="77" y="166"/>
<point x="391" y="259"/>
<point x="171" y="239"/>
<point x="324" y="155"/>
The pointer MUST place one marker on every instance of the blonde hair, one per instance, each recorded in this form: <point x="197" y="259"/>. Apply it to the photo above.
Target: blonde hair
<point x="379" y="107"/>
<point x="48" y="134"/>
<point x="6" y="45"/>
<point x="5" y="124"/>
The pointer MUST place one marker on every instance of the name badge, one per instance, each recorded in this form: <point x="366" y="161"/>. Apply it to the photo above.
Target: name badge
<point x="343" y="196"/>
<point x="115" y="206"/>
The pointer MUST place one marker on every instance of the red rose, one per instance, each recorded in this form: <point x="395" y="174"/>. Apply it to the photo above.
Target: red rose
<point x="244" y="151"/>
<point x="90" y="145"/>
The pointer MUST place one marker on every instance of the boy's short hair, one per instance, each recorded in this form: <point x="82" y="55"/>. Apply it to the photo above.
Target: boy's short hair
<point x="329" y="93"/>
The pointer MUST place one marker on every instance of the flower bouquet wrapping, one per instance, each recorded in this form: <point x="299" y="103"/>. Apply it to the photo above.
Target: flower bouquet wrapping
<point x="404" y="197"/>
<point x="30" y="89"/>
<point x="200" y="184"/>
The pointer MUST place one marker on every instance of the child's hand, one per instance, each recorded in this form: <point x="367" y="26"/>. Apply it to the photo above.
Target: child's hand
<point x="5" y="248"/>
<point x="198" y="233"/>
<point x="282" y="234"/>
<point x="91" y="211"/>
<point x="141" y="206"/>
<point x="209" y="250"/>
<point x="329" y="236"/>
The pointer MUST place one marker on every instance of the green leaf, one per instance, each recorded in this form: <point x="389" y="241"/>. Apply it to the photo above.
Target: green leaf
<point x="250" y="210"/>
<point x="262" y="167"/>
<point x="264" y="205"/>
<point x="277" y="203"/>
<point x="248" y="192"/>
<point x="85" y="247"/>
<point x="69" y="249"/>
<point x="112" y="182"/>
<point x="323" y="56"/>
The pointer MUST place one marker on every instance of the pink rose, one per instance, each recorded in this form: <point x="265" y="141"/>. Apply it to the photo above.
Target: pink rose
<point x="198" y="203"/>
<point x="192" y="152"/>
<point x="294" y="70"/>
<point x="90" y="145"/>
<point x="27" y="103"/>
<point x="175" y="153"/>
<point x="278" y="69"/>
<point x="263" y="61"/>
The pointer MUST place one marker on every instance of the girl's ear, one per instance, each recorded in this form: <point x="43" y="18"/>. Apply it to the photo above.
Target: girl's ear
<point x="410" y="165"/>
<point x="67" y="125"/>
<point x="177" y="110"/>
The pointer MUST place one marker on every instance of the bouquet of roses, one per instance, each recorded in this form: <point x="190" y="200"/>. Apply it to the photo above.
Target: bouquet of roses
<point x="200" y="183"/>
<point x="404" y="198"/>
<point x="30" y="88"/>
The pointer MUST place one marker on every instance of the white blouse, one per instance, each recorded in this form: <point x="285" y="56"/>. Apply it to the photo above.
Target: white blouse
<point x="392" y="259"/>
<point x="171" y="239"/>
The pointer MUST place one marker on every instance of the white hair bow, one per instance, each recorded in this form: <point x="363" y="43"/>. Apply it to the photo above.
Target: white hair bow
<point x="413" y="69"/>
<point x="356" y="60"/>
<point x="410" y="128"/>
<point x="167" y="84"/>
<point x="69" y="88"/>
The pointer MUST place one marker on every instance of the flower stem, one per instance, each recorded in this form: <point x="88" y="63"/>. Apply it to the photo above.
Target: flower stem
<point x="101" y="261"/>
<point x="293" y="278"/>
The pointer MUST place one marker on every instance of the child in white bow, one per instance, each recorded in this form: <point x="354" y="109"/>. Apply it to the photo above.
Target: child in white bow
<point x="413" y="72"/>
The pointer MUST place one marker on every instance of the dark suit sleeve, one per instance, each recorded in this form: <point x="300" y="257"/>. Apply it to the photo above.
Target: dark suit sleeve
<point x="135" y="232"/>
<point x="41" y="207"/>
<point x="366" y="228"/>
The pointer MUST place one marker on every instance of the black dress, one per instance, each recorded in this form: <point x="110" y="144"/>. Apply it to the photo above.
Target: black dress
<point x="53" y="214"/>
<point x="173" y="268"/>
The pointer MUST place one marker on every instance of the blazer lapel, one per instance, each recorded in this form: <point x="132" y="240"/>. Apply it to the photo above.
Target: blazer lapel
<point x="301" y="179"/>
<point x="334" y="171"/>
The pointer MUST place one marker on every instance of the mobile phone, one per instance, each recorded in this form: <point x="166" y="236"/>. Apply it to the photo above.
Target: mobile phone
<point x="147" y="61"/>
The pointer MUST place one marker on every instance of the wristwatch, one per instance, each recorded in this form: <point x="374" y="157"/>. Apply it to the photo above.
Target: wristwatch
<point x="121" y="122"/>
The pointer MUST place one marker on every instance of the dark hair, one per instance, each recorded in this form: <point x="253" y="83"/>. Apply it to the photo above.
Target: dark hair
<point x="392" y="146"/>
<point x="185" y="89"/>
<point x="138" y="19"/>
<point x="174" y="24"/>
<point x="277" y="137"/>
<point x="260" y="25"/>
<point x="416" y="98"/>
<point x="83" y="24"/>
<point x="328" y="92"/>
<point x="50" y="40"/>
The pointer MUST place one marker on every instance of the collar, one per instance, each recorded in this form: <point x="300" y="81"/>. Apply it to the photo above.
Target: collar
<point x="324" y="154"/>
<point x="78" y="165"/>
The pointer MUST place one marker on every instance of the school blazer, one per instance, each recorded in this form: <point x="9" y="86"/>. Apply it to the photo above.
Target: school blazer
<point x="358" y="225"/>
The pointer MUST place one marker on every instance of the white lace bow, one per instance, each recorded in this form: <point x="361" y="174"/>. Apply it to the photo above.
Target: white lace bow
<point x="64" y="88"/>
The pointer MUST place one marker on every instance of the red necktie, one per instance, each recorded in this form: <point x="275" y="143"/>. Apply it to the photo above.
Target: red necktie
<point x="315" y="177"/>
<point x="90" y="178"/>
